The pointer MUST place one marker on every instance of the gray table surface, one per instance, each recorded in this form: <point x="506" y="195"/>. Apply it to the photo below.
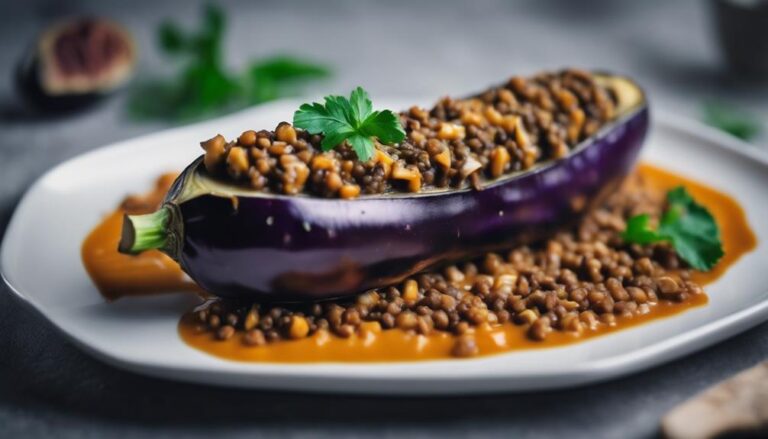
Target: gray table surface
<point x="50" y="388"/>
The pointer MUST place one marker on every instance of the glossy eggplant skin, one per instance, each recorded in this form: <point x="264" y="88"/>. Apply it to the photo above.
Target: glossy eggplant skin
<point x="299" y="248"/>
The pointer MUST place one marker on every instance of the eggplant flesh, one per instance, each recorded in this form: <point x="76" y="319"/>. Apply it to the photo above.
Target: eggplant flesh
<point x="244" y="244"/>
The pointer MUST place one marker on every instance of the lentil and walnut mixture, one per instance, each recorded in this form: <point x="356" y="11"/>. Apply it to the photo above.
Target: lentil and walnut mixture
<point x="577" y="281"/>
<point x="457" y="143"/>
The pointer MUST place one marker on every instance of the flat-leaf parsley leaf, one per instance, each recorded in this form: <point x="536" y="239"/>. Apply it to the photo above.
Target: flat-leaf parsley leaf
<point x="731" y="120"/>
<point x="352" y="120"/>
<point x="687" y="225"/>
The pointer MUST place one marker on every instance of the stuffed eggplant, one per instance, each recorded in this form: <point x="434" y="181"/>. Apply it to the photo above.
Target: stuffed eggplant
<point x="273" y="217"/>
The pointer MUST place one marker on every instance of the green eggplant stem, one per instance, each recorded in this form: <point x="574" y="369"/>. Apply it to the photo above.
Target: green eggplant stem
<point x="145" y="232"/>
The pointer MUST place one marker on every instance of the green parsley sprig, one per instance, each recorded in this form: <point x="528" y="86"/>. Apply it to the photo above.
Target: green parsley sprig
<point x="687" y="225"/>
<point x="205" y="86"/>
<point x="733" y="121"/>
<point x="352" y="120"/>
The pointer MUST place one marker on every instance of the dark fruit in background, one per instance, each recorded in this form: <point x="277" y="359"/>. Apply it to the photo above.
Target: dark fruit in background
<point x="74" y="63"/>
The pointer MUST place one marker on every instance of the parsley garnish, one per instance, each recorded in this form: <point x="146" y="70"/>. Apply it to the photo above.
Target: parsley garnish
<point x="204" y="85"/>
<point x="734" y="122"/>
<point x="687" y="225"/>
<point x="352" y="120"/>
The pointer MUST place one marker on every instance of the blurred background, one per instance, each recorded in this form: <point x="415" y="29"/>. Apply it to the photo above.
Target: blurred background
<point x="393" y="48"/>
<point x="702" y="59"/>
<point x="705" y="60"/>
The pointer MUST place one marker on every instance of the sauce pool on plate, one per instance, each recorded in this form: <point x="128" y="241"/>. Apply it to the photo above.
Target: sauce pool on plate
<point x="117" y="275"/>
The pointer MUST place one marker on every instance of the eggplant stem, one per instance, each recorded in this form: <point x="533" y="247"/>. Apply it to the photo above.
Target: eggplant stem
<point x="145" y="232"/>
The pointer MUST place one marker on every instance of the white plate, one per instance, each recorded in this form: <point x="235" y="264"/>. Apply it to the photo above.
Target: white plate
<point x="41" y="263"/>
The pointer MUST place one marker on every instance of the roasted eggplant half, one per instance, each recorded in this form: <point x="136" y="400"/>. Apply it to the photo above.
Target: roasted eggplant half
<point x="241" y="243"/>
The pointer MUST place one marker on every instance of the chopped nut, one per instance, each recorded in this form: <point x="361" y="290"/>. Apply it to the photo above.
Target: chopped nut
<point x="251" y="320"/>
<point x="299" y="327"/>
<point x="509" y="123"/>
<point x="521" y="136"/>
<point x="499" y="161"/>
<point x="472" y="118"/>
<point x="322" y="162"/>
<point x="493" y="116"/>
<point x="248" y="138"/>
<point x="566" y="99"/>
<point x="385" y="160"/>
<point x="372" y="327"/>
<point x="349" y="191"/>
<point x="410" y="291"/>
<point x="286" y="133"/>
<point x="333" y="181"/>
<point x="443" y="158"/>
<point x="408" y="173"/>
<point x="577" y="118"/>
<point x="237" y="162"/>
<point x="449" y="131"/>
<point x="214" y="152"/>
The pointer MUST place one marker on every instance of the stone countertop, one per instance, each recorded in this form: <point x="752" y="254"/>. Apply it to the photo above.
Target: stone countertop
<point x="398" y="48"/>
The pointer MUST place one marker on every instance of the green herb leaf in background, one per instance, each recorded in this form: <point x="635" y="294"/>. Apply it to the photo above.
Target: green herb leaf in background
<point x="352" y="120"/>
<point x="687" y="225"/>
<point x="204" y="85"/>
<point x="279" y="76"/>
<point x="732" y="121"/>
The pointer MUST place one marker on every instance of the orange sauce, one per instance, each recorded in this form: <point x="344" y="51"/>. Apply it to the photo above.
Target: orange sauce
<point x="738" y="238"/>
<point x="117" y="275"/>
<point x="153" y="272"/>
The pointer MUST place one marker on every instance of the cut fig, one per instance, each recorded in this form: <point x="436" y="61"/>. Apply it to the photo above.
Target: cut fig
<point x="75" y="63"/>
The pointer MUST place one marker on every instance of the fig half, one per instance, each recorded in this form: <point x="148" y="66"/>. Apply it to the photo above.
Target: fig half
<point x="76" y="62"/>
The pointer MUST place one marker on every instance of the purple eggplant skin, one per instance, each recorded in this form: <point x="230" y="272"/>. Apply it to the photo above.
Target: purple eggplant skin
<point x="300" y="248"/>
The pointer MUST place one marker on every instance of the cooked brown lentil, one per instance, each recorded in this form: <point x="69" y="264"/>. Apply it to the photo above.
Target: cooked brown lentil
<point x="458" y="143"/>
<point x="578" y="280"/>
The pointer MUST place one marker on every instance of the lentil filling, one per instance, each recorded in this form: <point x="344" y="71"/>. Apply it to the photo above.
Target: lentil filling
<point x="457" y="143"/>
<point x="579" y="281"/>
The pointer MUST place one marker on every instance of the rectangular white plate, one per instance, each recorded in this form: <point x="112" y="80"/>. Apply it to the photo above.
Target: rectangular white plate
<point x="41" y="263"/>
